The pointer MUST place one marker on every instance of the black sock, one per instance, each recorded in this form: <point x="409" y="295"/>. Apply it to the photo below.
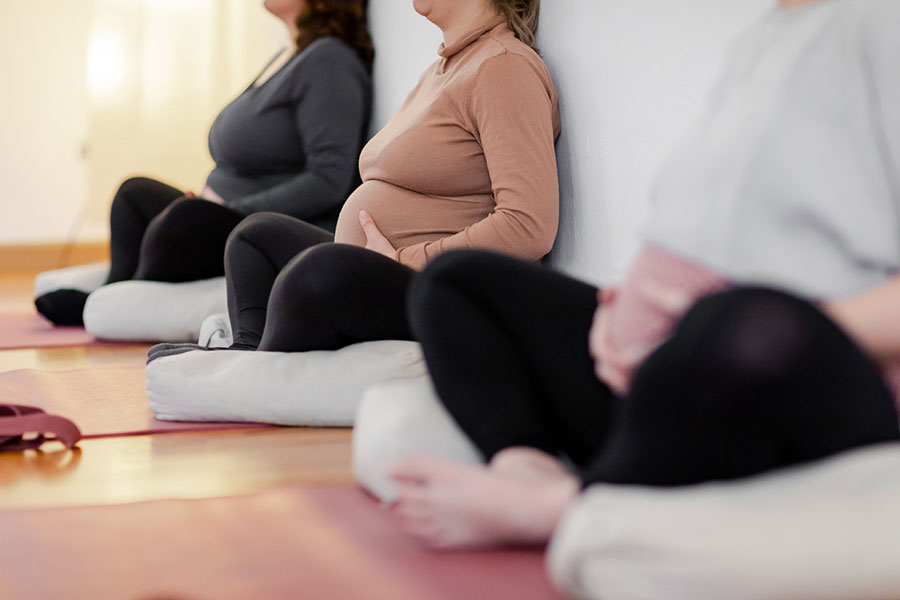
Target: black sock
<point x="241" y="346"/>
<point x="62" y="307"/>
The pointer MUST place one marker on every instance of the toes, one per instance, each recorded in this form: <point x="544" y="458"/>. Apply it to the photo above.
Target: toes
<point x="418" y="520"/>
<point x="420" y="470"/>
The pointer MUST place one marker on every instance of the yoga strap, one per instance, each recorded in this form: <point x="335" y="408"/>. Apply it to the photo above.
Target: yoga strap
<point x="16" y="421"/>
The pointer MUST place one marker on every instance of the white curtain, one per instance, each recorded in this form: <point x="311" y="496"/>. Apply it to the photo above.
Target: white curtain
<point x="158" y="71"/>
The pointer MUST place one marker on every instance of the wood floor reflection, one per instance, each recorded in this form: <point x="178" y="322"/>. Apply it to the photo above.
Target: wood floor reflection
<point x="172" y="465"/>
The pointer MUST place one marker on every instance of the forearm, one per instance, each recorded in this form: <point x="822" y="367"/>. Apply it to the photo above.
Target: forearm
<point x="872" y="318"/>
<point x="526" y="236"/>
<point x="305" y="197"/>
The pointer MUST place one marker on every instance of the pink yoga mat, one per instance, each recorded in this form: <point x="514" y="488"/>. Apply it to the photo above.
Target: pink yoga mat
<point x="102" y="402"/>
<point x="330" y="543"/>
<point x="33" y="331"/>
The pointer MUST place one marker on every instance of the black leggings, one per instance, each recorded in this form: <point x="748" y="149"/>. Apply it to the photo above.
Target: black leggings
<point x="291" y="290"/>
<point x="751" y="379"/>
<point x="158" y="234"/>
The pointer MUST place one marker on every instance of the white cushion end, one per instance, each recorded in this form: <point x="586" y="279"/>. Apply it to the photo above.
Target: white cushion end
<point x="401" y="419"/>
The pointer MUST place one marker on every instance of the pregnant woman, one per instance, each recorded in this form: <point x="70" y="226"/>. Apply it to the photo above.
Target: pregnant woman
<point x="757" y="329"/>
<point x="288" y="143"/>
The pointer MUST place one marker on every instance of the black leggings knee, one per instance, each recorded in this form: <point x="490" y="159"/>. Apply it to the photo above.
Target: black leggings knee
<point x="506" y="345"/>
<point x="290" y="290"/>
<point x="334" y="295"/>
<point x="256" y="252"/>
<point x="158" y="234"/>
<point x="136" y="203"/>
<point x="186" y="241"/>
<point x="751" y="380"/>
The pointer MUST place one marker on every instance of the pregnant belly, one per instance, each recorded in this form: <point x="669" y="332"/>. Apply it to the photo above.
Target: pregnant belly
<point x="406" y="217"/>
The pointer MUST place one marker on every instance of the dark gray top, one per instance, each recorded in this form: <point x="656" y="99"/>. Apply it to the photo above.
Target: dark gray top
<point x="291" y="144"/>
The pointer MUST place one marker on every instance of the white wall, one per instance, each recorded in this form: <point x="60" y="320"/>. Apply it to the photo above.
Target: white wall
<point x="97" y="90"/>
<point x="180" y="62"/>
<point x="43" y="117"/>
<point x="405" y="44"/>
<point x="632" y="75"/>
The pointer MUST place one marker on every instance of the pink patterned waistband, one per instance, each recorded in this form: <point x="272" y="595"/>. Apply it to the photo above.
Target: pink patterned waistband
<point x="637" y="321"/>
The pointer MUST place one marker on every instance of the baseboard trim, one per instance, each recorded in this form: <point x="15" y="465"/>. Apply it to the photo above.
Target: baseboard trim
<point x="33" y="258"/>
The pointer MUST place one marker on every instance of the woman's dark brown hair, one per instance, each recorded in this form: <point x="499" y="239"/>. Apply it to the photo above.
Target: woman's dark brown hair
<point x="341" y="19"/>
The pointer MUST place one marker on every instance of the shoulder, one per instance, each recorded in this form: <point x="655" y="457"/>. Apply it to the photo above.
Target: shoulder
<point x="877" y="31"/>
<point x="330" y="48"/>
<point x="879" y="19"/>
<point x="329" y="56"/>
<point x="505" y="63"/>
<point x="875" y="10"/>
<point x="503" y="50"/>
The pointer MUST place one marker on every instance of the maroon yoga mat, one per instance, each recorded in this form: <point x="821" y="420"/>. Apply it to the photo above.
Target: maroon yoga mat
<point x="19" y="331"/>
<point x="101" y="402"/>
<point x="332" y="543"/>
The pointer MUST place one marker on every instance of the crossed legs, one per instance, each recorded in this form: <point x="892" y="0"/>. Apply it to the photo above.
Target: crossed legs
<point x="156" y="234"/>
<point x="290" y="290"/>
<point x="751" y="380"/>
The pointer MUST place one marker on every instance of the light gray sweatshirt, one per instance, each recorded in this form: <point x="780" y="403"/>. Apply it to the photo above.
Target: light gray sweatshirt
<point x="793" y="178"/>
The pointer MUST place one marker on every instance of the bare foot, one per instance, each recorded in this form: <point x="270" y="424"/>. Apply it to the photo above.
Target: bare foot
<point x="451" y="505"/>
<point x="528" y="465"/>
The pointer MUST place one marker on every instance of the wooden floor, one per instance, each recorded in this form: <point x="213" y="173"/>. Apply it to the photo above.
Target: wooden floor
<point x="172" y="465"/>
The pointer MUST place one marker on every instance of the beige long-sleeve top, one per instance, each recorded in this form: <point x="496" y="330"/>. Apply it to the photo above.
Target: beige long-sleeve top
<point x="468" y="160"/>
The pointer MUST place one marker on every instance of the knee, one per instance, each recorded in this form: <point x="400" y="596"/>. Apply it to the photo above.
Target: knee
<point x="129" y="191"/>
<point x="756" y="331"/>
<point x="134" y="185"/>
<point x="180" y="222"/>
<point x="324" y="274"/>
<point x="251" y="231"/>
<point x="432" y="290"/>
<point x="460" y="271"/>
<point x="456" y="266"/>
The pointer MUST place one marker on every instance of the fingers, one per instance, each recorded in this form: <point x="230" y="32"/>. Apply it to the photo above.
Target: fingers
<point x="607" y="295"/>
<point x="413" y="470"/>
<point x="369" y="227"/>
<point x="414" y="512"/>
<point x="671" y="300"/>
<point x="375" y="240"/>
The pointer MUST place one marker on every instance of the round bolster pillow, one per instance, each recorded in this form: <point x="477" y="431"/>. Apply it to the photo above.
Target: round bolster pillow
<point x="824" y="531"/>
<point x="84" y="278"/>
<point x="153" y="311"/>
<point x="400" y="419"/>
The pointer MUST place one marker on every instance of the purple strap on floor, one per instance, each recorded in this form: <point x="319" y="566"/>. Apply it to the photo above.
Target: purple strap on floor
<point x="17" y="421"/>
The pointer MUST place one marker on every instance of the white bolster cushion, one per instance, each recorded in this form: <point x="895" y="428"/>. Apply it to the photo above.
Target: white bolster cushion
<point x="826" y="531"/>
<point x="84" y="278"/>
<point x="320" y="388"/>
<point x="399" y="419"/>
<point x="150" y="311"/>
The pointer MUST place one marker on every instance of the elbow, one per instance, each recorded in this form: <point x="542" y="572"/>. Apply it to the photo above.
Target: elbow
<point x="543" y="243"/>
<point x="535" y="237"/>
<point x="541" y="232"/>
